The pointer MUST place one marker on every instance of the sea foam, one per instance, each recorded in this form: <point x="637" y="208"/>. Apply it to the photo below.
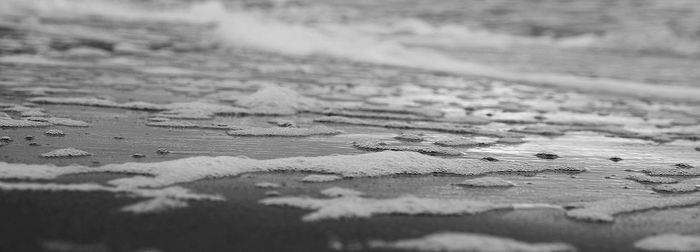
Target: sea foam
<point x="241" y="27"/>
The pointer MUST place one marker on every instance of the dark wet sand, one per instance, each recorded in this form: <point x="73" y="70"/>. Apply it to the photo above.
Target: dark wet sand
<point x="241" y="224"/>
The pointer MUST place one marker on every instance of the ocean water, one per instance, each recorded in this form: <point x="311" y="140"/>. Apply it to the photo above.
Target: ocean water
<point x="607" y="46"/>
<point x="611" y="87"/>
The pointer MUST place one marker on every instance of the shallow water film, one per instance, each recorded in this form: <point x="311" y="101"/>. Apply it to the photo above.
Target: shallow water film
<point x="370" y="125"/>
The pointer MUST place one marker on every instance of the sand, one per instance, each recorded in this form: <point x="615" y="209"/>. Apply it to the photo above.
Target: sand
<point x="178" y="130"/>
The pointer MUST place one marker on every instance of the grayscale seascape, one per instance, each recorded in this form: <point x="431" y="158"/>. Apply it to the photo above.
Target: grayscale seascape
<point x="367" y="125"/>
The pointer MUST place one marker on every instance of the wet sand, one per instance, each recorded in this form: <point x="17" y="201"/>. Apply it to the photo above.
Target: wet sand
<point x="242" y="224"/>
<point x="188" y="101"/>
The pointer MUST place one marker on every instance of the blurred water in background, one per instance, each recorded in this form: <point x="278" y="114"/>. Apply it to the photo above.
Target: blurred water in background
<point x="644" y="41"/>
<point x="649" y="41"/>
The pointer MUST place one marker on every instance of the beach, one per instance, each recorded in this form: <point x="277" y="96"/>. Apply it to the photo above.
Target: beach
<point x="338" y="126"/>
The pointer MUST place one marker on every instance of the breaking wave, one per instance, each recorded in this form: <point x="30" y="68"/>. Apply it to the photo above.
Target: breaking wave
<point x="372" y="43"/>
<point x="660" y="39"/>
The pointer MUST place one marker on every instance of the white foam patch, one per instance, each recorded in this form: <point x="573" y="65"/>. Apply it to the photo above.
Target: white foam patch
<point x="172" y="192"/>
<point x="97" y="102"/>
<point x="7" y="122"/>
<point x="174" y="124"/>
<point x="167" y="70"/>
<point x="66" y="152"/>
<point x="676" y="188"/>
<point x="690" y="172"/>
<point x="24" y="111"/>
<point x="541" y="130"/>
<point x="54" y="132"/>
<point x="604" y="210"/>
<point x="449" y="241"/>
<point x="272" y="193"/>
<point x="158" y="199"/>
<point x="283" y="122"/>
<point x="167" y="123"/>
<point x="37" y="171"/>
<point x="341" y="192"/>
<point x="155" y="205"/>
<point x="619" y="131"/>
<point x="372" y="145"/>
<point x="181" y="110"/>
<point x="87" y="187"/>
<point x="650" y="179"/>
<point x="460" y="142"/>
<point x="37" y="60"/>
<point x="284" y="131"/>
<point x="271" y="100"/>
<point x="431" y="126"/>
<point x="268" y="185"/>
<point x="486" y="182"/>
<point x="669" y="242"/>
<point x="276" y="100"/>
<point x="67" y="122"/>
<point x="365" y="165"/>
<point x="120" y="10"/>
<point x="317" y="178"/>
<point x="426" y="112"/>
<point x="510" y="140"/>
<point x="197" y="110"/>
<point x="356" y="207"/>
<point x="410" y="137"/>
<point x="386" y="116"/>
<point x="44" y="91"/>
<point x="86" y="52"/>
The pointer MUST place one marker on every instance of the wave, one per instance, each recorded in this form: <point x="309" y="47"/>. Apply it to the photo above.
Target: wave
<point x="122" y="10"/>
<point x="239" y="27"/>
<point x="658" y="39"/>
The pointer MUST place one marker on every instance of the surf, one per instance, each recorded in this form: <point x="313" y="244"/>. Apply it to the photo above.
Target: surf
<point x="236" y="26"/>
